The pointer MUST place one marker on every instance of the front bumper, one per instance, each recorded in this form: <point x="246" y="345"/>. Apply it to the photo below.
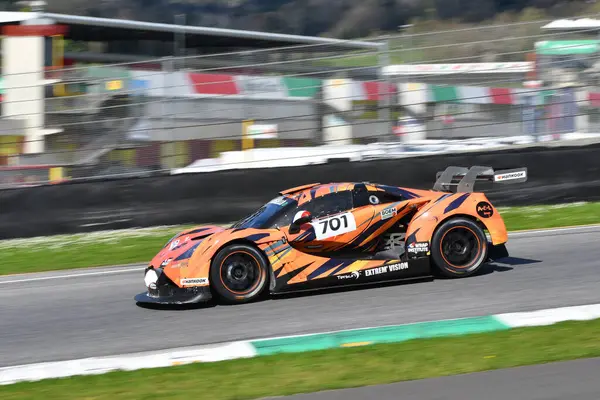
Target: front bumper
<point x="163" y="291"/>
<point x="181" y="296"/>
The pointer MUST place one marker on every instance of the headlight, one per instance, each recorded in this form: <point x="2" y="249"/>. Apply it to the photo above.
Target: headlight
<point x="150" y="279"/>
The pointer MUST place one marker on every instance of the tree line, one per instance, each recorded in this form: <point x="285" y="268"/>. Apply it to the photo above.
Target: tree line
<point x="336" y="18"/>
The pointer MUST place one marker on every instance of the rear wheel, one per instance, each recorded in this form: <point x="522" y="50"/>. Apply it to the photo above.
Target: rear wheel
<point x="239" y="273"/>
<point x="459" y="248"/>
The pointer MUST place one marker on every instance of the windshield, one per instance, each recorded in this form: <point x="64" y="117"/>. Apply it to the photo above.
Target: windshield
<point x="277" y="212"/>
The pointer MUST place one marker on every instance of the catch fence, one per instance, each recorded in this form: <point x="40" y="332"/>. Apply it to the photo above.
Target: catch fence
<point x="420" y="88"/>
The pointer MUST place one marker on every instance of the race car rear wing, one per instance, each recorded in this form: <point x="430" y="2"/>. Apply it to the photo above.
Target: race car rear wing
<point x="461" y="180"/>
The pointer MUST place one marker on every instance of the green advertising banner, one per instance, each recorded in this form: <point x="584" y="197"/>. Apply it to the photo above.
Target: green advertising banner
<point x="567" y="47"/>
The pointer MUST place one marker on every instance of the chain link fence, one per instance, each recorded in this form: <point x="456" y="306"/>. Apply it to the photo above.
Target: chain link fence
<point x="420" y="91"/>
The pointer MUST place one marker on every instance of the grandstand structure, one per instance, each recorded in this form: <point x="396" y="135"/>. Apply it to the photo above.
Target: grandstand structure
<point x="82" y="93"/>
<point x="86" y="96"/>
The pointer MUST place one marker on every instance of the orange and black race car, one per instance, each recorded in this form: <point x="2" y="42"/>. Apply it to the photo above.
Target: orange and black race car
<point x="336" y="234"/>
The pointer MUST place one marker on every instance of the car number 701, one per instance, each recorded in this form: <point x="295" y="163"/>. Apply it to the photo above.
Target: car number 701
<point x="335" y="225"/>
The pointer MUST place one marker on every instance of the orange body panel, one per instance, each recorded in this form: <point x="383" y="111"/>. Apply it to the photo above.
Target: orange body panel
<point x="371" y="221"/>
<point x="181" y="243"/>
<point x="313" y="252"/>
<point x="424" y="223"/>
<point x="198" y="265"/>
<point x="291" y="266"/>
<point x="336" y="234"/>
<point x="307" y="241"/>
<point x="298" y="188"/>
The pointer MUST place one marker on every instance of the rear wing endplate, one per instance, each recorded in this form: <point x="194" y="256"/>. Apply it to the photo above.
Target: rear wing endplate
<point x="461" y="180"/>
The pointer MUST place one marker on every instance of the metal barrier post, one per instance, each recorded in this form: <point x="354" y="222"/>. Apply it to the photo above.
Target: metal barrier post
<point x="384" y="89"/>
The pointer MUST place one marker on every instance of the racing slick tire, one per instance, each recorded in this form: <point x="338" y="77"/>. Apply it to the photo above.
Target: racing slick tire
<point x="459" y="248"/>
<point x="239" y="273"/>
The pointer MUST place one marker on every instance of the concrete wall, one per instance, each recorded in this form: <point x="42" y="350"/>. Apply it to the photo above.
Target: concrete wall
<point x="190" y="198"/>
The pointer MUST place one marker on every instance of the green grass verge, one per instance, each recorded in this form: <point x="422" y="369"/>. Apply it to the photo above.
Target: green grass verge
<point x="286" y="374"/>
<point x="556" y="216"/>
<point x="103" y="248"/>
<point x="140" y="245"/>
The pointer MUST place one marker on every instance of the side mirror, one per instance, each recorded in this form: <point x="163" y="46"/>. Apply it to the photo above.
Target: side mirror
<point x="301" y="218"/>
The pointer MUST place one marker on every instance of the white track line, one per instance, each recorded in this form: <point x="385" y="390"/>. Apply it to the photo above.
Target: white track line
<point x="85" y="274"/>
<point x="553" y="230"/>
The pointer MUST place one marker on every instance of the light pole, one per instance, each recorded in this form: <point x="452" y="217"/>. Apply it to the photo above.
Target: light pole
<point x="403" y="80"/>
<point x="179" y="40"/>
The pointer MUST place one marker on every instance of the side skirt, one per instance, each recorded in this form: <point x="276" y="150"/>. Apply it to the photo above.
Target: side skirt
<point x="417" y="269"/>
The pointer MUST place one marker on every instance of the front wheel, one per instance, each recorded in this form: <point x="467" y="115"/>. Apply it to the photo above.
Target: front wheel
<point x="239" y="273"/>
<point x="459" y="248"/>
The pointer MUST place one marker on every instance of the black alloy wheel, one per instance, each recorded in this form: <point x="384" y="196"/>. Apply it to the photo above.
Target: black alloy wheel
<point x="239" y="273"/>
<point x="459" y="248"/>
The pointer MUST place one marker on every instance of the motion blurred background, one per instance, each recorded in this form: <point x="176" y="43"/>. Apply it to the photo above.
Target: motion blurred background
<point x="119" y="97"/>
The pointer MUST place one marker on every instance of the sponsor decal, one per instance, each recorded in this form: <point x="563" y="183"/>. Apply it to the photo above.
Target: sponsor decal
<point x="510" y="176"/>
<point x="388" y="213"/>
<point x="279" y="201"/>
<point x="166" y="262"/>
<point x="194" y="281"/>
<point x="418" y="247"/>
<point x="484" y="209"/>
<point x="261" y="86"/>
<point x="386" y="269"/>
<point x="179" y="243"/>
<point x="180" y="264"/>
<point x="333" y="226"/>
<point x="353" y="275"/>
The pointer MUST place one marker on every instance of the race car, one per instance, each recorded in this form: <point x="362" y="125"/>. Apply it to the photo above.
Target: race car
<point x="336" y="234"/>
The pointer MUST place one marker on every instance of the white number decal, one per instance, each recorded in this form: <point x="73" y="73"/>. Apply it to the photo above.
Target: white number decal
<point x="333" y="226"/>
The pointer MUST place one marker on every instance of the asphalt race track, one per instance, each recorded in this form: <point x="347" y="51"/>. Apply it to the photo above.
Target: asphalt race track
<point x="573" y="380"/>
<point x="50" y="317"/>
